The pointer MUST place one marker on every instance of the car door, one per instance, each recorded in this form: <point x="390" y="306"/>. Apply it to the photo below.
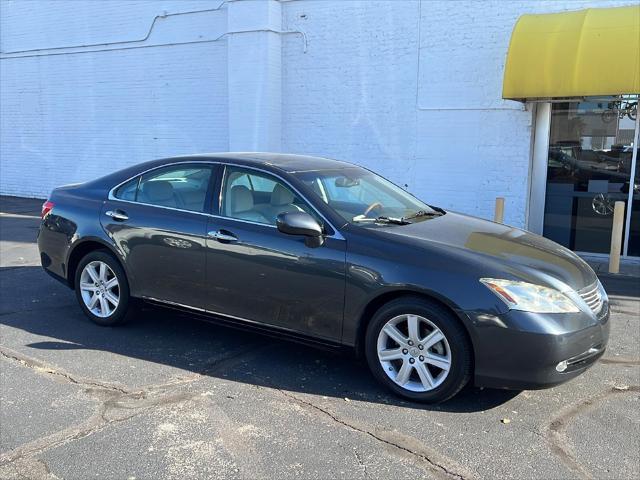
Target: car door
<point x="159" y="222"/>
<point x="258" y="274"/>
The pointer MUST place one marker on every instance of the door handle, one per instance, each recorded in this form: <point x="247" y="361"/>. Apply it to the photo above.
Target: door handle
<point x="223" y="236"/>
<point x="118" y="215"/>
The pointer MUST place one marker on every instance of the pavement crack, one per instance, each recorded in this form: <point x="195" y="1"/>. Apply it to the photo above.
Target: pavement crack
<point x="43" y="368"/>
<point x="28" y="469"/>
<point x="114" y="408"/>
<point x="435" y="466"/>
<point x="619" y="361"/>
<point x="555" y="430"/>
<point x="116" y="404"/>
<point x="362" y="464"/>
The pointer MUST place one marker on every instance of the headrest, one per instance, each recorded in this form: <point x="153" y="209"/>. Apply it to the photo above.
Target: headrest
<point x="158" y="190"/>
<point x="281" y="196"/>
<point x="241" y="199"/>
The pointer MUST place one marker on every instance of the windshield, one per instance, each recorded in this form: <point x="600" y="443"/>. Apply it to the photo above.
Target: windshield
<point x="362" y="197"/>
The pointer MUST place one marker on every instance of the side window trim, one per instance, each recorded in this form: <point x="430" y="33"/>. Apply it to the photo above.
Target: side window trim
<point x="209" y="206"/>
<point x="221" y="186"/>
<point x="135" y="197"/>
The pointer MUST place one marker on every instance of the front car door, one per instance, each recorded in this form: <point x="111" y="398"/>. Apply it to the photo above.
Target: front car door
<point x="159" y="222"/>
<point x="258" y="274"/>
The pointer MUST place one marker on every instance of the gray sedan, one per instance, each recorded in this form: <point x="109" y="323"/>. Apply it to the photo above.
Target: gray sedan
<point x="330" y="254"/>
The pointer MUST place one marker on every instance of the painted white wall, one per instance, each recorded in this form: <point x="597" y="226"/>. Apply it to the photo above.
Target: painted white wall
<point x="69" y="115"/>
<point x="411" y="89"/>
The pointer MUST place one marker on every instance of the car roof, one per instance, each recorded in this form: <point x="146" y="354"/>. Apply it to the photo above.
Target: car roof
<point x="269" y="161"/>
<point x="284" y="161"/>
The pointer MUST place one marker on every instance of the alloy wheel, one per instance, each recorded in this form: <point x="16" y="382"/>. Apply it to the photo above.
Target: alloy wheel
<point x="99" y="288"/>
<point x="414" y="353"/>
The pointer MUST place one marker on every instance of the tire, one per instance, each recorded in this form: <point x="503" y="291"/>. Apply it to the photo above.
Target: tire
<point x="453" y="351"/>
<point x="113" y="314"/>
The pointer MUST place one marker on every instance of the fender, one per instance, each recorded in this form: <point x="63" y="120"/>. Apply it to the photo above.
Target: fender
<point x="384" y="295"/>
<point x="109" y="245"/>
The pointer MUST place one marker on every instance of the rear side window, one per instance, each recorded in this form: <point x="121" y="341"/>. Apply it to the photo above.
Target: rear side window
<point x="128" y="190"/>
<point x="183" y="187"/>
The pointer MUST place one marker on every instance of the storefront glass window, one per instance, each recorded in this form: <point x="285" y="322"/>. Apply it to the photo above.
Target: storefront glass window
<point x="589" y="169"/>
<point x="634" y="230"/>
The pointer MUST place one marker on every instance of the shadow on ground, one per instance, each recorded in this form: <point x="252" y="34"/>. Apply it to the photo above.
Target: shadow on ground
<point x="187" y="342"/>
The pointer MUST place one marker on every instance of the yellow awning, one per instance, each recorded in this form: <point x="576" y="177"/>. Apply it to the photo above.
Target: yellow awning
<point x="593" y="52"/>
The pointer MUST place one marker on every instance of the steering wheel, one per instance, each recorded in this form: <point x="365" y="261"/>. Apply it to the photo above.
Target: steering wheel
<point x="371" y="207"/>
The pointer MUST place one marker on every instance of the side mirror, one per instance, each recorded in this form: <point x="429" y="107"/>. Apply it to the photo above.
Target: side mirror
<point x="298" y="223"/>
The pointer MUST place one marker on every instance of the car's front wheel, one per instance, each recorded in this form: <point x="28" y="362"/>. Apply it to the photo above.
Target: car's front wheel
<point x="419" y="350"/>
<point x="102" y="288"/>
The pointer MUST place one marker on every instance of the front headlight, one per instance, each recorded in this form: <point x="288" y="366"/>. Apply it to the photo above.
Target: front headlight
<point x="529" y="297"/>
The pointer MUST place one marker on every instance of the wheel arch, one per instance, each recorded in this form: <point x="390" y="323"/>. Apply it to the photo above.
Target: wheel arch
<point x="84" y="247"/>
<point x="382" y="299"/>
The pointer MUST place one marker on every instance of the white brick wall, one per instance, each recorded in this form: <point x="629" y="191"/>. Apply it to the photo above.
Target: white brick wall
<point x="410" y="90"/>
<point x="73" y="115"/>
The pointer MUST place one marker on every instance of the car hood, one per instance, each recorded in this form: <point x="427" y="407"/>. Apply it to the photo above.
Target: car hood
<point x="498" y="249"/>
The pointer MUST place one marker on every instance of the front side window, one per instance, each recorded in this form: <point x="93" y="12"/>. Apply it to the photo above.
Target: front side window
<point x="258" y="197"/>
<point x="360" y="196"/>
<point x="180" y="187"/>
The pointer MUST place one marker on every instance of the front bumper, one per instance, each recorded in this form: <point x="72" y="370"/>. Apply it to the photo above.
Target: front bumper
<point x="520" y="350"/>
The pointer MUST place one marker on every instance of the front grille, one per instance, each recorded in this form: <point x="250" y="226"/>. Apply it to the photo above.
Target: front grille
<point x="592" y="297"/>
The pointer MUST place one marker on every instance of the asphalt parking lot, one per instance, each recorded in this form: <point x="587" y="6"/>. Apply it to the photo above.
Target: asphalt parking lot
<point x="170" y="396"/>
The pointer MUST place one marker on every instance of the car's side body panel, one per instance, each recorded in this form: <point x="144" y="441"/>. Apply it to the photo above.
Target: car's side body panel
<point x="274" y="278"/>
<point x="163" y="249"/>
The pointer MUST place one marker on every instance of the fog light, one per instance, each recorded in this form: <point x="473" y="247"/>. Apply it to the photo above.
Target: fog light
<point x="562" y="366"/>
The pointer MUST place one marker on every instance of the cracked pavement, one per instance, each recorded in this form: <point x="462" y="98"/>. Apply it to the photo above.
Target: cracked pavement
<point x="170" y="396"/>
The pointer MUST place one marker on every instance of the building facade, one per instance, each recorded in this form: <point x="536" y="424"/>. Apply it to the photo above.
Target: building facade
<point x="412" y="89"/>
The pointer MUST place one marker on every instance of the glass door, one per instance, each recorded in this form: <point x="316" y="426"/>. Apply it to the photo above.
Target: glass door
<point x="589" y="168"/>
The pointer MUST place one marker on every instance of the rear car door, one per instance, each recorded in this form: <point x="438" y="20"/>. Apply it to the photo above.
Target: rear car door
<point x="159" y="222"/>
<point x="256" y="273"/>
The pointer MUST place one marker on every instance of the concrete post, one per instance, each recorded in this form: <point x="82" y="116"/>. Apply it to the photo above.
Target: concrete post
<point x="616" y="237"/>
<point x="499" y="215"/>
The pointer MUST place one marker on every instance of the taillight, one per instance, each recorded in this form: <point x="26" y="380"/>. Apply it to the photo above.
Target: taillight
<point x="46" y="208"/>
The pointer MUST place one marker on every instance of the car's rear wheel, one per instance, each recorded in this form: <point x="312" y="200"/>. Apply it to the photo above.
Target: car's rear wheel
<point x="102" y="288"/>
<point x="419" y="350"/>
